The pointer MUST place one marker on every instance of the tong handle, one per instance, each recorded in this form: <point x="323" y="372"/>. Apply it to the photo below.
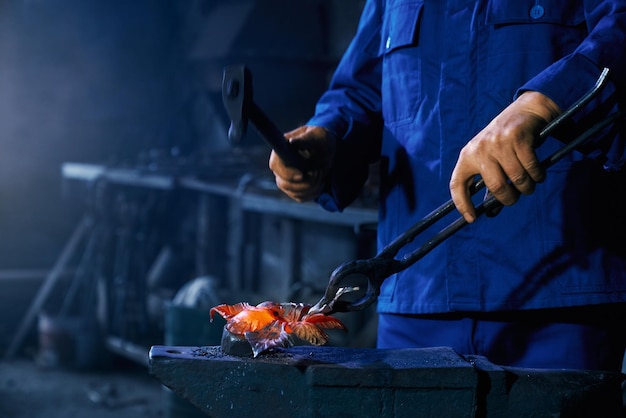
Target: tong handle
<point x="490" y="205"/>
<point x="392" y="249"/>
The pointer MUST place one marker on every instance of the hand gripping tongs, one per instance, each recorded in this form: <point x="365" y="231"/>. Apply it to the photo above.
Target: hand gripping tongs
<point x="344" y="292"/>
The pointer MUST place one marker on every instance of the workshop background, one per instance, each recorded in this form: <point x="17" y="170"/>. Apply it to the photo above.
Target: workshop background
<point x="124" y="209"/>
<point x="126" y="213"/>
<point x="104" y="107"/>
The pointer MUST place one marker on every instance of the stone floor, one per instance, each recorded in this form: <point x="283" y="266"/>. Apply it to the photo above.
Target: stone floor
<point x="124" y="390"/>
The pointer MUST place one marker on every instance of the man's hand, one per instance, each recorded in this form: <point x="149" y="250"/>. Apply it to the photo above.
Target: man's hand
<point x="314" y="143"/>
<point x="503" y="154"/>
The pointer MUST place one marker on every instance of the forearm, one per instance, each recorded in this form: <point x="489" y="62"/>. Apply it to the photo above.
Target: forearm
<point x="572" y="76"/>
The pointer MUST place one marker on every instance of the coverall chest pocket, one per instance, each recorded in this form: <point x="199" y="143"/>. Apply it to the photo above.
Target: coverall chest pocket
<point x="525" y="37"/>
<point x="401" y="65"/>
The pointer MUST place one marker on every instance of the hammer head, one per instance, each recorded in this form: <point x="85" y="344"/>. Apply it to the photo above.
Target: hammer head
<point x="237" y="98"/>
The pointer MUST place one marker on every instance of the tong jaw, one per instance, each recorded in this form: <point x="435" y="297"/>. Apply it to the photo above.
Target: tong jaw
<point x="375" y="270"/>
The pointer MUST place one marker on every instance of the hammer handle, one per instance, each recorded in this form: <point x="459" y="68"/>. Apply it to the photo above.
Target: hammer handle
<point x="275" y="138"/>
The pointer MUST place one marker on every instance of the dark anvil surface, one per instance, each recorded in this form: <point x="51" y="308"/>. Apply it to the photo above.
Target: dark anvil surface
<point x="318" y="381"/>
<point x="351" y="366"/>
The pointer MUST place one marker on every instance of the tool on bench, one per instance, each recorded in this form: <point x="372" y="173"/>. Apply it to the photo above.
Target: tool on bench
<point x="347" y="279"/>
<point x="241" y="108"/>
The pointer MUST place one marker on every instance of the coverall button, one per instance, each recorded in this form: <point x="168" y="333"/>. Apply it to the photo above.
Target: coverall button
<point x="537" y="11"/>
<point x="388" y="43"/>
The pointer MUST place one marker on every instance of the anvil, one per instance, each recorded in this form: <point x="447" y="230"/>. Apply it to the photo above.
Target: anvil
<point x="305" y="381"/>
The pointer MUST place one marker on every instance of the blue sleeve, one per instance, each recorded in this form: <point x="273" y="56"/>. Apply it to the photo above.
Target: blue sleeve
<point x="571" y="77"/>
<point x="351" y="110"/>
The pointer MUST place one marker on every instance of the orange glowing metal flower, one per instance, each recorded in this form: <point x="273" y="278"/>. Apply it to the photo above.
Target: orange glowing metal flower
<point x="270" y="324"/>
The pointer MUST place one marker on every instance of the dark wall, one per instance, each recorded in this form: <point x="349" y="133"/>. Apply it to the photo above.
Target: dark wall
<point x="79" y="81"/>
<point x="104" y="80"/>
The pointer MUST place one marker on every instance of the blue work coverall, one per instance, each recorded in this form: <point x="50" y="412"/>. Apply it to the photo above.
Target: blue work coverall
<point x="419" y="80"/>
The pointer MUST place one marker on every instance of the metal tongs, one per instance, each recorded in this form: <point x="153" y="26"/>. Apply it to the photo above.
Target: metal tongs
<point x="346" y="281"/>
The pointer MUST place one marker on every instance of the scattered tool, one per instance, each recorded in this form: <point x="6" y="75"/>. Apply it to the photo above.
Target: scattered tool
<point x="347" y="279"/>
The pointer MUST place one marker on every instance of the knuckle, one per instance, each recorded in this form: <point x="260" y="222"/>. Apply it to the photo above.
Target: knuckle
<point x="498" y="189"/>
<point x="520" y="179"/>
<point x="533" y="165"/>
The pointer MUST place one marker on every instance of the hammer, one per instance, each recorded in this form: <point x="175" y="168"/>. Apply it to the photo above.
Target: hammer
<point x="240" y="106"/>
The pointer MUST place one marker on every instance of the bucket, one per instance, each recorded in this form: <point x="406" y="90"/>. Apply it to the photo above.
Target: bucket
<point x="191" y="326"/>
<point x="68" y="341"/>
